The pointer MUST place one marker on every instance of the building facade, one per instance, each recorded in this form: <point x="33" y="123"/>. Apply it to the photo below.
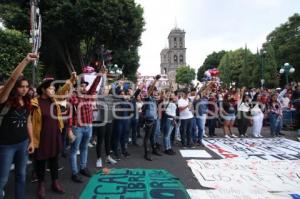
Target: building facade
<point x="174" y="56"/>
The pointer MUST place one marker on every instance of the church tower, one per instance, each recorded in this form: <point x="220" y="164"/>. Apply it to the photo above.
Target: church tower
<point x="174" y="56"/>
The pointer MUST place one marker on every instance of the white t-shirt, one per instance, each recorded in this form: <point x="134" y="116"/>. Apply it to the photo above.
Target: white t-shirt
<point x="139" y="106"/>
<point x="256" y="110"/>
<point x="171" y="109"/>
<point x="244" y="107"/>
<point x="186" y="113"/>
<point x="285" y="102"/>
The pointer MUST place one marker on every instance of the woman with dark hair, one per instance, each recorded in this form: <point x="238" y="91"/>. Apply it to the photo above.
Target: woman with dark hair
<point x="275" y="115"/>
<point x="16" y="128"/>
<point x="257" y="115"/>
<point x="228" y="112"/>
<point x="243" y="113"/>
<point x="47" y="125"/>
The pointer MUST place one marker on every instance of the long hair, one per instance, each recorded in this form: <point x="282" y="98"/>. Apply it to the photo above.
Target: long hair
<point x="13" y="99"/>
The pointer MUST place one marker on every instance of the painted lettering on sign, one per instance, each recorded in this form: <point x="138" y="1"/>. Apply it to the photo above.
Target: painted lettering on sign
<point x="135" y="184"/>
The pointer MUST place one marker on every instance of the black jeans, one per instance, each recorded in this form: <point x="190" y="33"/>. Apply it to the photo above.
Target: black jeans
<point x="186" y="131"/>
<point x="212" y="123"/>
<point x="103" y="134"/>
<point x="149" y="128"/>
<point x="242" y="123"/>
<point x="40" y="167"/>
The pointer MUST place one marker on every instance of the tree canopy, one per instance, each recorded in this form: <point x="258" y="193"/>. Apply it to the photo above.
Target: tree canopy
<point x="285" y="41"/>
<point x="185" y="75"/>
<point x="211" y="61"/>
<point x="248" y="69"/>
<point x="74" y="32"/>
<point x="14" y="47"/>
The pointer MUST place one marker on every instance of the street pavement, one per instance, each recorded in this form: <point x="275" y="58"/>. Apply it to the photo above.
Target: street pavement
<point x="176" y="165"/>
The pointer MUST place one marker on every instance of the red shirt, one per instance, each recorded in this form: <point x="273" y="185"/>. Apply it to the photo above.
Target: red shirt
<point x="83" y="106"/>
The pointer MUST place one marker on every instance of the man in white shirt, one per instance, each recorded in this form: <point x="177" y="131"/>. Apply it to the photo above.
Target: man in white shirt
<point x="185" y="116"/>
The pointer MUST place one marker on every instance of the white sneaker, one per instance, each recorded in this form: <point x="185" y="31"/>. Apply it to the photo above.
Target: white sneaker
<point x="99" y="163"/>
<point x="227" y="136"/>
<point x="78" y="152"/>
<point x="234" y="136"/>
<point x="110" y="160"/>
<point x="260" y="136"/>
<point x="90" y="145"/>
<point x="204" y="135"/>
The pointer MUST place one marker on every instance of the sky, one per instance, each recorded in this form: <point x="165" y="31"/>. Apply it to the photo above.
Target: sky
<point x="210" y="25"/>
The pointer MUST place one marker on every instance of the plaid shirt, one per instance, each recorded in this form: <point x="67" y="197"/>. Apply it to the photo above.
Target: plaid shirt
<point x="83" y="106"/>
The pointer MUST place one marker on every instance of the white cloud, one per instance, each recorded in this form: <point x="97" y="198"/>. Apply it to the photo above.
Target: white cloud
<point x="210" y="25"/>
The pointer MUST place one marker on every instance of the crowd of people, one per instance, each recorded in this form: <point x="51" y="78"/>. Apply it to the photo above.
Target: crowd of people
<point x="42" y="123"/>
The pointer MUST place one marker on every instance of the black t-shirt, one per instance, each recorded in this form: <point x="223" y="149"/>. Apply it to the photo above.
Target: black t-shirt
<point x="14" y="126"/>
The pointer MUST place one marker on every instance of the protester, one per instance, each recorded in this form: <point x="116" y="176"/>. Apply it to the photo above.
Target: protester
<point x="212" y="115"/>
<point x="47" y="128"/>
<point x="103" y="125"/>
<point x="257" y="115"/>
<point x="16" y="139"/>
<point x="201" y="108"/>
<point x="80" y="126"/>
<point x="169" y="121"/>
<point x="122" y="114"/>
<point x="275" y="115"/>
<point x="150" y="116"/>
<point x="229" y="114"/>
<point x="243" y="113"/>
<point x="185" y="116"/>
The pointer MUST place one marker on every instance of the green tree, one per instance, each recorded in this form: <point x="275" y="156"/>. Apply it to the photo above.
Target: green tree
<point x="14" y="47"/>
<point x="285" y="41"/>
<point x="185" y="75"/>
<point x="231" y="65"/>
<point x="270" y="66"/>
<point x="211" y="61"/>
<point x="74" y="31"/>
<point x="249" y="75"/>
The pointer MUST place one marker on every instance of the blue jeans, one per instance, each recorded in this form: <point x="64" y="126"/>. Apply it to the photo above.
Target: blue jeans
<point x="121" y="136"/>
<point x="17" y="154"/>
<point x="133" y="127"/>
<point x="167" y="130"/>
<point x="200" y="122"/>
<point x="275" y="124"/>
<point x="83" y="136"/>
<point x="157" y="132"/>
<point x="194" y="130"/>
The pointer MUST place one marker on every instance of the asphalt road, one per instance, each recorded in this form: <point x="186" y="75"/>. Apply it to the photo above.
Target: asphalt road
<point x="174" y="164"/>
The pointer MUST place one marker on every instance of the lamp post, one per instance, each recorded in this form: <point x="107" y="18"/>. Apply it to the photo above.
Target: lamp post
<point x="286" y="69"/>
<point x="262" y="80"/>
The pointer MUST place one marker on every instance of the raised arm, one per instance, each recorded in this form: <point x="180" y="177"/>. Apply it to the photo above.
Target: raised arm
<point x="10" y="83"/>
<point x="68" y="85"/>
<point x="92" y="90"/>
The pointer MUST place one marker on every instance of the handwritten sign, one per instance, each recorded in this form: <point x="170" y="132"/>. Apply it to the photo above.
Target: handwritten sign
<point x="230" y="193"/>
<point x="134" y="184"/>
<point x="245" y="174"/>
<point x="259" y="149"/>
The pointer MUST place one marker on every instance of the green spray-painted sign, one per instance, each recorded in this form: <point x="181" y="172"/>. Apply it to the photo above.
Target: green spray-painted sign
<point x="134" y="184"/>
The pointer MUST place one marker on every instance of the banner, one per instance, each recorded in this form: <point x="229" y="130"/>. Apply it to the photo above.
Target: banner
<point x="194" y="154"/>
<point x="259" y="149"/>
<point x="134" y="184"/>
<point x="231" y="193"/>
<point x="247" y="174"/>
